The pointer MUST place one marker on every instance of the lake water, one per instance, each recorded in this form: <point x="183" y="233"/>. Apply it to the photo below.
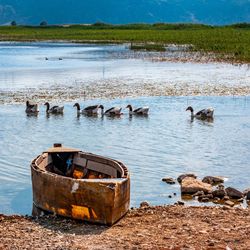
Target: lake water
<point x="166" y="143"/>
<point x="24" y="65"/>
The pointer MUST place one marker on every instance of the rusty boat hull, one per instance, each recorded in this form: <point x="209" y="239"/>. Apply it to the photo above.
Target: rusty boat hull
<point x="102" y="196"/>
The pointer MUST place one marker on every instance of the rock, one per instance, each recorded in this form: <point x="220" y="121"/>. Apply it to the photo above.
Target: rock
<point x="220" y="193"/>
<point x="180" y="203"/>
<point x="210" y="196"/>
<point x="199" y="193"/>
<point x="226" y="198"/>
<point x="229" y="203"/>
<point x="247" y="193"/>
<point x="144" y="204"/>
<point x="201" y="197"/>
<point x="213" y="180"/>
<point x="168" y="180"/>
<point x="240" y="200"/>
<point x="189" y="185"/>
<point x="233" y="193"/>
<point x="210" y="243"/>
<point x="226" y="208"/>
<point x="205" y="199"/>
<point x="183" y="176"/>
<point x="216" y="200"/>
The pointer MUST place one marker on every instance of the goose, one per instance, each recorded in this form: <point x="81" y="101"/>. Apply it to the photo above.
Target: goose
<point x="202" y="114"/>
<point x="114" y="111"/>
<point x="31" y="108"/>
<point x="138" y="111"/>
<point x="54" y="109"/>
<point x="90" y="110"/>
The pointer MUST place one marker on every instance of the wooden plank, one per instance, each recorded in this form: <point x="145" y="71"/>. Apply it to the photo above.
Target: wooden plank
<point x="103" y="160"/>
<point x="43" y="161"/>
<point x="80" y="161"/>
<point x="62" y="150"/>
<point x="103" y="168"/>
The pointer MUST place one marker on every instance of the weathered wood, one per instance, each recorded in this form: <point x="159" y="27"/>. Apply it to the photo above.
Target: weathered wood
<point x="80" y="161"/>
<point x="102" y="168"/>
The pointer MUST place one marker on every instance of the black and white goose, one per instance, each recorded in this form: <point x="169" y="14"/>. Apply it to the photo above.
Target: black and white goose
<point x="202" y="114"/>
<point x="53" y="109"/>
<point x="114" y="111"/>
<point x="138" y="111"/>
<point x="90" y="110"/>
<point x="31" y="108"/>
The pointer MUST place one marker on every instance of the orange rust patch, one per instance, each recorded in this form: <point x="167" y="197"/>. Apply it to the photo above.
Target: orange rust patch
<point x="80" y="212"/>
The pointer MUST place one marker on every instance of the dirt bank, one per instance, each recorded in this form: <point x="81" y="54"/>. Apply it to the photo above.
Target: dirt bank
<point x="161" y="227"/>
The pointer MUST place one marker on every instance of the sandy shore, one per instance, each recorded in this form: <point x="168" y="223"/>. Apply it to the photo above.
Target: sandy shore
<point x="160" y="227"/>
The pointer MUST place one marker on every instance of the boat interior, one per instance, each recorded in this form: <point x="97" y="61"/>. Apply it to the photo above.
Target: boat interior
<point x="80" y="165"/>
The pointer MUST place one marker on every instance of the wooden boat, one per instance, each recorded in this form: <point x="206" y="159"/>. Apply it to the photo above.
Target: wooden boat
<point x="80" y="185"/>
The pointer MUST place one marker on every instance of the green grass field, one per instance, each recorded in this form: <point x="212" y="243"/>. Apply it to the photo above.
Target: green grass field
<point x="231" y="42"/>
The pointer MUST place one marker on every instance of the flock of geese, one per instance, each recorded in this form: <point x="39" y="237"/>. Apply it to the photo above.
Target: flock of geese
<point x="114" y="111"/>
<point x="90" y="110"/>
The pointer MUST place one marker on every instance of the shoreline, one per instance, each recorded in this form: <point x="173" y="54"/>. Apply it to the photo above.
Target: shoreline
<point x="180" y="53"/>
<point x="148" y="227"/>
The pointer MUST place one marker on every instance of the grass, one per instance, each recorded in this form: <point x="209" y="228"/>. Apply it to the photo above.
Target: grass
<point x="231" y="42"/>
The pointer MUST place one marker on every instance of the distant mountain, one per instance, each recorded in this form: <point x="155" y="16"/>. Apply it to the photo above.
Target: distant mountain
<point x="215" y="12"/>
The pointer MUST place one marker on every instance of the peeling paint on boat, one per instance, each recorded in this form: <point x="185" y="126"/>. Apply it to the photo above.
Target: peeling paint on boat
<point x="75" y="187"/>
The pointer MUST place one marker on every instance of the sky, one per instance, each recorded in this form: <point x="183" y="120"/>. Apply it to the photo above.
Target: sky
<point x="215" y="12"/>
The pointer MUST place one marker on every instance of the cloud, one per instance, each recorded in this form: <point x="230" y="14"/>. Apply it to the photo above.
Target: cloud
<point x="192" y="17"/>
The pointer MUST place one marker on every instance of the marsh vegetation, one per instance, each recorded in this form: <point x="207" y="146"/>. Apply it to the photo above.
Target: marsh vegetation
<point x="227" y="42"/>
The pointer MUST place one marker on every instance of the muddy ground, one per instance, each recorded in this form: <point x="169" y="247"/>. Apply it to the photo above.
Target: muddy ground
<point x="159" y="227"/>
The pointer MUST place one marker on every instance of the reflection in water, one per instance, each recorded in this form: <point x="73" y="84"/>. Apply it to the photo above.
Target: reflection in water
<point x="32" y="115"/>
<point x="203" y="120"/>
<point x="114" y="117"/>
<point x="166" y="143"/>
<point x="142" y="117"/>
<point x="56" y="116"/>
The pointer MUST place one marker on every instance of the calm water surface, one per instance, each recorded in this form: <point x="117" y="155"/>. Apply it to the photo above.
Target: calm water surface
<point x="24" y="65"/>
<point x="166" y="143"/>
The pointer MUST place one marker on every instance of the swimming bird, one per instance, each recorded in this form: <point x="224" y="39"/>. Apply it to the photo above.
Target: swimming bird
<point x="114" y="111"/>
<point x="54" y="109"/>
<point x="90" y="110"/>
<point x="202" y="114"/>
<point x="31" y="108"/>
<point x="138" y="111"/>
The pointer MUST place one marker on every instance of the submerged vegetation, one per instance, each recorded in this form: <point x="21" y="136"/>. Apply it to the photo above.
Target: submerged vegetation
<point x="228" y="42"/>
